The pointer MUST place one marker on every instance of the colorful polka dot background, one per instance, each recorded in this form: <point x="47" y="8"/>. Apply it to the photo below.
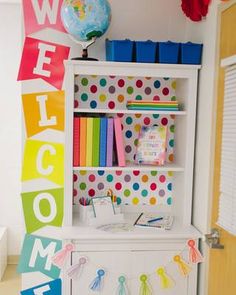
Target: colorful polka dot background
<point x="113" y="92"/>
<point x="131" y="188"/>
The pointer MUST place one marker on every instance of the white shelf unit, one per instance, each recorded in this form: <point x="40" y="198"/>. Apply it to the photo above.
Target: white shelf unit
<point x="94" y="242"/>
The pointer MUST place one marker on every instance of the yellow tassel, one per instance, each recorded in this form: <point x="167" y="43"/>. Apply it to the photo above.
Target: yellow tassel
<point x="184" y="268"/>
<point x="166" y="281"/>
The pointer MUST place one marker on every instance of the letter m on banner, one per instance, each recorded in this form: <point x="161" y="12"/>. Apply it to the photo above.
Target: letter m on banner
<point x="40" y="14"/>
<point x="36" y="255"/>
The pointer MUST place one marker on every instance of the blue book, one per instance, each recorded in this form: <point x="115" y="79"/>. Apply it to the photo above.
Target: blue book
<point x="103" y="142"/>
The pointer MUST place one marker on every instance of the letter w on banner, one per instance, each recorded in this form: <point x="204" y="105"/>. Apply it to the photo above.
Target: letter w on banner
<point x="40" y="14"/>
<point x="43" y="60"/>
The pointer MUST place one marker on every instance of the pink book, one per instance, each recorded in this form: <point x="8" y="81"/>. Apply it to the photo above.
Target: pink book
<point x="110" y="136"/>
<point x="119" y="142"/>
<point x="76" y="142"/>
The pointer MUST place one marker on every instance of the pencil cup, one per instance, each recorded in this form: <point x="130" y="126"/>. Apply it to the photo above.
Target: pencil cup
<point x="85" y="213"/>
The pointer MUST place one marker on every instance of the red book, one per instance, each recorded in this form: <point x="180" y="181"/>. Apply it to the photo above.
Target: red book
<point x="76" y="142"/>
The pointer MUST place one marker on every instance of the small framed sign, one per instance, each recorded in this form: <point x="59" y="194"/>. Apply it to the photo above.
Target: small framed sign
<point x="103" y="207"/>
<point x="151" y="148"/>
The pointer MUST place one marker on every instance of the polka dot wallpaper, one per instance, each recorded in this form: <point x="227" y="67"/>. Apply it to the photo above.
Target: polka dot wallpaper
<point x="112" y="93"/>
<point x="131" y="188"/>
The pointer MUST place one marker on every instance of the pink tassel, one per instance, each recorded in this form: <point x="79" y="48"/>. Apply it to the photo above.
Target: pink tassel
<point x="60" y="257"/>
<point x="194" y="254"/>
<point x="75" y="270"/>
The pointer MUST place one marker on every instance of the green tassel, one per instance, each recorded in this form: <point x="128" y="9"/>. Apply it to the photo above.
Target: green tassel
<point x="122" y="289"/>
<point x="145" y="289"/>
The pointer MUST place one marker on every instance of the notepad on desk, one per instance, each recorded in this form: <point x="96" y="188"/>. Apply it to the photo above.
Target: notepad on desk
<point x="154" y="220"/>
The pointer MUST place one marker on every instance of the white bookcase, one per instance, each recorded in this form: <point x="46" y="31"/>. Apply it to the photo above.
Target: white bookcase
<point x="105" y="87"/>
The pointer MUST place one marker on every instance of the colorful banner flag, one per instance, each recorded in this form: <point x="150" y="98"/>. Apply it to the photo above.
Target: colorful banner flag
<point x="50" y="288"/>
<point x="36" y="255"/>
<point x="41" y="14"/>
<point x="43" y="160"/>
<point x="43" y="208"/>
<point x="43" y="60"/>
<point x="43" y="111"/>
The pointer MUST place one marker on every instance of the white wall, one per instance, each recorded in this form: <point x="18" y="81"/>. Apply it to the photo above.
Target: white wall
<point x="10" y="124"/>
<point x="134" y="19"/>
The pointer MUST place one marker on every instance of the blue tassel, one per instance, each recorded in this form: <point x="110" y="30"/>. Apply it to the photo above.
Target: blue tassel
<point x="122" y="289"/>
<point x="96" y="284"/>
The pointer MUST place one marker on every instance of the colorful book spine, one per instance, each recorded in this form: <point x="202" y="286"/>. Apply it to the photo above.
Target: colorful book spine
<point x="89" y="142"/>
<point x="76" y="142"/>
<point x="83" y="143"/>
<point x="103" y="142"/>
<point x="96" y="141"/>
<point x="110" y="138"/>
<point x="119" y="142"/>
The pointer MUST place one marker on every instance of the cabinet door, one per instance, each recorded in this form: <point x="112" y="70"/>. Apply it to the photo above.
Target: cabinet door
<point x="131" y="264"/>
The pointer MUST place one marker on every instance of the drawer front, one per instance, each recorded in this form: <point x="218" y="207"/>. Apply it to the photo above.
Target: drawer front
<point x="131" y="264"/>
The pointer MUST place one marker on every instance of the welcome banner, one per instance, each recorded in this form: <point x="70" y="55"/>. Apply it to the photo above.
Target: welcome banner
<point x="43" y="111"/>
<point x="41" y="14"/>
<point x="50" y="288"/>
<point x="36" y="255"/>
<point x="43" y="208"/>
<point x="43" y="160"/>
<point x="43" y="60"/>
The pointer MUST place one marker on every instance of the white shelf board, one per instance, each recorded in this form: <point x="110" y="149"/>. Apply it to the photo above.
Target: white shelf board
<point x="98" y="111"/>
<point x="132" y="166"/>
<point x="228" y="61"/>
<point x="83" y="232"/>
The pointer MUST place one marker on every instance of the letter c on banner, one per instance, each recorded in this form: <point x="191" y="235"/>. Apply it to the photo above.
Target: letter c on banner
<point x="39" y="160"/>
<point x="52" y="204"/>
<point x="42" y="290"/>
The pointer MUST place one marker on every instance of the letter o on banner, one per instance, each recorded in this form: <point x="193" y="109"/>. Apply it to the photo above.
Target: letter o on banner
<point x="53" y="208"/>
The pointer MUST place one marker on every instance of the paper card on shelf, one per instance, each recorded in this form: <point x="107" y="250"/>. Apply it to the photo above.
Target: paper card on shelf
<point x="151" y="148"/>
<point x="50" y="288"/>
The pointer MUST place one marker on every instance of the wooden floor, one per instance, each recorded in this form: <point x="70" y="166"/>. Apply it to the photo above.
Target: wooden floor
<point x="11" y="283"/>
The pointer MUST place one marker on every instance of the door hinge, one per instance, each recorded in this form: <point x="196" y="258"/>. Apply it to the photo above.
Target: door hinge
<point x="213" y="239"/>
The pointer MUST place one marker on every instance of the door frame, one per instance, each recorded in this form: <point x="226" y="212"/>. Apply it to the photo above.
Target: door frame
<point x="222" y="6"/>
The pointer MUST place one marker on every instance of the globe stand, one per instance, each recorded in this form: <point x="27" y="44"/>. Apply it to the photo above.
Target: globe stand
<point x="85" y="45"/>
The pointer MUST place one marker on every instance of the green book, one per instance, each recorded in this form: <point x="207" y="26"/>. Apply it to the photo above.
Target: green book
<point x="96" y="141"/>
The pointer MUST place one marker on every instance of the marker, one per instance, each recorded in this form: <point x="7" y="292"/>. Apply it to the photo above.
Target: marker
<point x="156" y="219"/>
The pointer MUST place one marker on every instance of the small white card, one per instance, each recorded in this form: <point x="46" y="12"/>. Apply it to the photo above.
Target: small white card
<point x="103" y="207"/>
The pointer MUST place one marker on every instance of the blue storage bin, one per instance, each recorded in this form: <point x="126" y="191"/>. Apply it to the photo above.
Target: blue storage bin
<point x="168" y="52"/>
<point x="191" y="53"/>
<point x="119" y="50"/>
<point x="146" y="51"/>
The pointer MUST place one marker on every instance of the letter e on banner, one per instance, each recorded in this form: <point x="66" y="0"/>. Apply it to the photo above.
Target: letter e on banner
<point x="36" y="255"/>
<point x="41" y="14"/>
<point x="50" y="288"/>
<point x="43" y="60"/>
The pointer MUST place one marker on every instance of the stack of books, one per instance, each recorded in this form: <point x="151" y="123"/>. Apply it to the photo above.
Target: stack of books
<point x="98" y="142"/>
<point x="149" y="105"/>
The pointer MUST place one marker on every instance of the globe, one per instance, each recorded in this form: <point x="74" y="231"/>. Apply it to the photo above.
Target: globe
<point x="86" y="19"/>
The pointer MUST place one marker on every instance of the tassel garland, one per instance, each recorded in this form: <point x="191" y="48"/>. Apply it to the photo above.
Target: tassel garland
<point x="60" y="257"/>
<point x="122" y="288"/>
<point x="97" y="283"/>
<point x="194" y="254"/>
<point x="184" y="268"/>
<point x="75" y="270"/>
<point x="145" y="289"/>
<point x="165" y="280"/>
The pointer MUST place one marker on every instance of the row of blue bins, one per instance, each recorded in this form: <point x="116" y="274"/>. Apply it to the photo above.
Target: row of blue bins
<point x="153" y="52"/>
